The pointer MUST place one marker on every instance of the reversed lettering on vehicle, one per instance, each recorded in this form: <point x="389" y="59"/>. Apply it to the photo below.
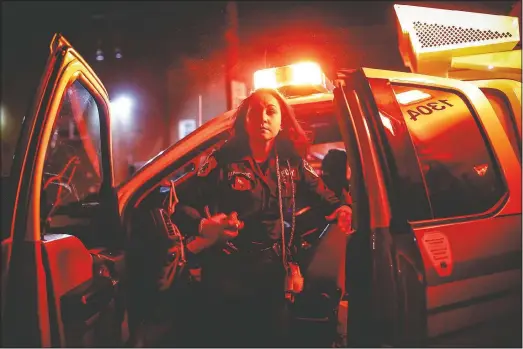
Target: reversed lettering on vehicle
<point x="428" y="108"/>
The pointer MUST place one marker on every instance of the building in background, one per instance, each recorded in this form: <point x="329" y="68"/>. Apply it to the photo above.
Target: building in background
<point x="202" y="88"/>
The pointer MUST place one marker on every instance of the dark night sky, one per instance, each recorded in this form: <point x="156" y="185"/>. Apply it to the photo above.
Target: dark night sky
<point x="161" y="31"/>
<point x="148" y="28"/>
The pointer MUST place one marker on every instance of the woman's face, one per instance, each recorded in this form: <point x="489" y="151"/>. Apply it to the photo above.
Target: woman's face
<point x="263" y="121"/>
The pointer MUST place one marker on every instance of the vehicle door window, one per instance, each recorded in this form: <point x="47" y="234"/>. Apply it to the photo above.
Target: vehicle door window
<point x="72" y="170"/>
<point x="410" y="184"/>
<point x="436" y="138"/>
<point x="501" y="105"/>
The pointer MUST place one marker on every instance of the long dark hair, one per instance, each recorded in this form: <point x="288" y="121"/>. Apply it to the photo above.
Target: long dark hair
<point x="291" y="141"/>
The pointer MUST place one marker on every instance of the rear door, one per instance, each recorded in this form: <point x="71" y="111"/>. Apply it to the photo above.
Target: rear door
<point x="452" y="181"/>
<point x="64" y="252"/>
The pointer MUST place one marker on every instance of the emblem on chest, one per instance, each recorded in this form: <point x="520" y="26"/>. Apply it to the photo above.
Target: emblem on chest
<point x="240" y="181"/>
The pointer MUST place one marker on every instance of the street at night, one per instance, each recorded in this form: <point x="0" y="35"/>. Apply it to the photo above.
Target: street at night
<point x="261" y="174"/>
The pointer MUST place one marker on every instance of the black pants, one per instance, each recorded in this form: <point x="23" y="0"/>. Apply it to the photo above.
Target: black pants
<point x="241" y="303"/>
<point x="243" y="323"/>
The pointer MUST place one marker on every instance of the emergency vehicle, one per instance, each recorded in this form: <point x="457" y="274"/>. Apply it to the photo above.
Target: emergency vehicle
<point x="435" y="159"/>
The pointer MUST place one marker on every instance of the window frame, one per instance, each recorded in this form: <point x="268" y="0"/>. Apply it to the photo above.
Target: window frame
<point x="105" y="158"/>
<point x="510" y="117"/>
<point x="496" y="208"/>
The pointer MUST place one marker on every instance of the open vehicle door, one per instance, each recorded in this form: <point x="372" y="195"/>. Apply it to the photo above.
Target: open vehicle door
<point x="64" y="260"/>
<point x="437" y="192"/>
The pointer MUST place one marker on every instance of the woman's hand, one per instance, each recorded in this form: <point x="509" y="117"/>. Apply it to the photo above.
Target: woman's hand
<point x="220" y="227"/>
<point x="343" y="215"/>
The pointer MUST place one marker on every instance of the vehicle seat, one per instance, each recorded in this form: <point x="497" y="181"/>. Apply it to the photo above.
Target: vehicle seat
<point x="315" y="310"/>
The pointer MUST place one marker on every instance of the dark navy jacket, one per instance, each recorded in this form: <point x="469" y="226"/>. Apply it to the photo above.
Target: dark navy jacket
<point x="233" y="182"/>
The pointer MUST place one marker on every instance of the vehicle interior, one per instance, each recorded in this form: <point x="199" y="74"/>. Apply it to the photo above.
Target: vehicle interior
<point x="152" y="252"/>
<point x="134" y="280"/>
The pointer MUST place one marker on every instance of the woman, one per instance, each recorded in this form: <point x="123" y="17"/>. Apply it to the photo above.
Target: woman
<point x="241" y="204"/>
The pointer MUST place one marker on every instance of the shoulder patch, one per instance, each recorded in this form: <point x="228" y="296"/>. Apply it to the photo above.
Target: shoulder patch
<point x="309" y="168"/>
<point x="208" y="165"/>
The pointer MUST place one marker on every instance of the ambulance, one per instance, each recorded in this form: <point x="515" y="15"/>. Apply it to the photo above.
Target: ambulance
<point x="435" y="174"/>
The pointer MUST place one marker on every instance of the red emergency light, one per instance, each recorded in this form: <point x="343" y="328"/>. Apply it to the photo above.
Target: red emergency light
<point x="296" y="79"/>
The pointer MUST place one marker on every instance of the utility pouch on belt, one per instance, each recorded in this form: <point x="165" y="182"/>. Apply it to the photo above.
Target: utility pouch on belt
<point x="293" y="281"/>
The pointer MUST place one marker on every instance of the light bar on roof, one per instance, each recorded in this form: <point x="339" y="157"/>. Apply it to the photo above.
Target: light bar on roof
<point x="306" y="73"/>
<point x="299" y="74"/>
<point x="265" y="78"/>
